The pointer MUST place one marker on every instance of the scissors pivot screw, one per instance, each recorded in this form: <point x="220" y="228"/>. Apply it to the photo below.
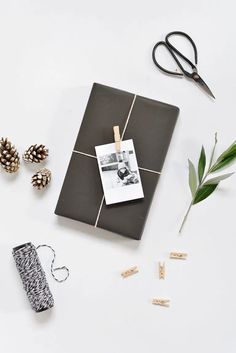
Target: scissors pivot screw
<point x="195" y="76"/>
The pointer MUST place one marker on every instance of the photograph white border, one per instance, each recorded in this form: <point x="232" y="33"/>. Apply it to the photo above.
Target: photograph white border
<point x="125" y="192"/>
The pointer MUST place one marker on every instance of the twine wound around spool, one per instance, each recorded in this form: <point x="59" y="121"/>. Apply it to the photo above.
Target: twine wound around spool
<point x="33" y="276"/>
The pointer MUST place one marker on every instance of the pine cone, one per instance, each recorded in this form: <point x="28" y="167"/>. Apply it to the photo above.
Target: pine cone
<point x="9" y="157"/>
<point x="41" y="179"/>
<point x="35" y="154"/>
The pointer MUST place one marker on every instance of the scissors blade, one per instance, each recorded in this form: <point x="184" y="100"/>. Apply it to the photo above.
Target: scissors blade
<point x="203" y="85"/>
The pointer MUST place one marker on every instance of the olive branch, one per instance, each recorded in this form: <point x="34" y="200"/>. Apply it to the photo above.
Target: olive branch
<point x="200" y="184"/>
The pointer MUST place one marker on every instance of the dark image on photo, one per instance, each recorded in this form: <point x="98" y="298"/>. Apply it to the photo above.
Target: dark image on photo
<point x="119" y="169"/>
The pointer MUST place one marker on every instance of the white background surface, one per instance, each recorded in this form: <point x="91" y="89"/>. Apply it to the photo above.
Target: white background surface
<point x="51" y="53"/>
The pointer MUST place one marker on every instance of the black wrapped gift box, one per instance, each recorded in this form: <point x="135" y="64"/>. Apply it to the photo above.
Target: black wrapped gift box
<point x="150" y="124"/>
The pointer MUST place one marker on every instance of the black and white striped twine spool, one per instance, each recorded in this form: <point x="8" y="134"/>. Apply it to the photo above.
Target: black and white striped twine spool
<point x="33" y="276"/>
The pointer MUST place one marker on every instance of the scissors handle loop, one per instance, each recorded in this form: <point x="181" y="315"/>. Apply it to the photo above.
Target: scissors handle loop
<point x="171" y="53"/>
<point x="174" y="53"/>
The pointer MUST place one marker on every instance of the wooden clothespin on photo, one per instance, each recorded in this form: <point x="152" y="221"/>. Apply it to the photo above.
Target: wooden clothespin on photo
<point x="117" y="138"/>
<point x="162" y="270"/>
<point x="178" y="255"/>
<point x="161" y="302"/>
<point x="131" y="271"/>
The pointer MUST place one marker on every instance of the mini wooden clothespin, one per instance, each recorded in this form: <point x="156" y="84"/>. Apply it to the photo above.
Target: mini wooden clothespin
<point x="117" y="138"/>
<point x="162" y="271"/>
<point x="131" y="271"/>
<point x="161" y="302"/>
<point x="178" y="255"/>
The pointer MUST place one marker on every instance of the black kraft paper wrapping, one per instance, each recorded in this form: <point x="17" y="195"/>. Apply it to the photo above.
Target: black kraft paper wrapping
<point x="150" y="125"/>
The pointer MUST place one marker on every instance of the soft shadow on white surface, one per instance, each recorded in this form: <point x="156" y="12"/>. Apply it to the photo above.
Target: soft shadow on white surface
<point x="9" y="177"/>
<point x="39" y="194"/>
<point x="43" y="317"/>
<point x="34" y="167"/>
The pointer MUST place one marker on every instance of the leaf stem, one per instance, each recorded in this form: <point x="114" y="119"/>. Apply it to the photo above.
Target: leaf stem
<point x="213" y="152"/>
<point x="185" y="217"/>
<point x="191" y="204"/>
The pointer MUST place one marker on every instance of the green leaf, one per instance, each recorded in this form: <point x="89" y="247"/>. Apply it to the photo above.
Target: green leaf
<point x="192" y="178"/>
<point x="204" y="192"/>
<point x="224" y="163"/>
<point x="231" y="150"/>
<point x="217" y="179"/>
<point x="201" y="164"/>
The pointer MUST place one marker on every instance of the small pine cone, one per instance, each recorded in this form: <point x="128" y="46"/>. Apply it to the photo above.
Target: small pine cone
<point x="41" y="179"/>
<point x="35" y="154"/>
<point x="9" y="157"/>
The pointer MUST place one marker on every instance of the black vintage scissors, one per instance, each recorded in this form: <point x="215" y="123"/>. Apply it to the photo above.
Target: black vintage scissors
<point x="175" y="53"/>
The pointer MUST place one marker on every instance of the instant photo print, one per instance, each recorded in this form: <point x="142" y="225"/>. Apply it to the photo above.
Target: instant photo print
<point x="119" y="172"/>
<point x="150" y="125"/>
